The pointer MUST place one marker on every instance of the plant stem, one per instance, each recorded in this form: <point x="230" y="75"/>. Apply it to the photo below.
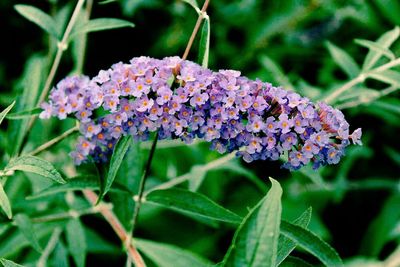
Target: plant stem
<point x="118" y="229"/>
<point x="53" y="141"/>
<point x="61" y="47"/>
<point x="49" y="248"/>
<point x="183" y="178"/>
<point x="143" y="179"/>
<point x="202" y="14"/>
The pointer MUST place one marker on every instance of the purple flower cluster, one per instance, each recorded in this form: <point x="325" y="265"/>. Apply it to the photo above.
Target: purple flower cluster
<point x="180" y="99"/>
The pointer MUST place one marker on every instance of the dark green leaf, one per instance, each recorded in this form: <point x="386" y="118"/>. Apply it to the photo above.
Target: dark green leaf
<point x="166" y="255"/>
<point x="193" y="203"/>
<point x="276" y="73"/>
<point x="295" y="262"/>
<point x="311" y="243"/>
<point x="344" y="60"/>
<point x="77" y="184"/>
<point x="101" y="24"/>
<point x="286" y="245"/>
<point x="384" y="41"/>
<point x="376" y="47"/>
<point x="116" y="159"/>
<point x="38" y="17"/>
<point x="255" y="243"/>
<point x="5" y="203"/>
<point x="4" y="112"/>
<point x="204" y="47"/>
<point x="8" y="263"/>
<point x="390" y="9"/>
<point x="24" y="114"/>
<point x="76" y="241"/>
<point x="25" y="226"/>
<point x="36" y="165"/>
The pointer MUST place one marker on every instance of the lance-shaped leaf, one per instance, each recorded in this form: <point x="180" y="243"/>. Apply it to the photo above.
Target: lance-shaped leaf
<point x="376" y="47"/>
<point x="192" y="203"/>
<point x="4" y="112"/>
<point x="8" y="263"/>
<point x="286" y="245"/>
<point x="344" y="60"/>
<point x="311" y="243"/>
<point x="24" y="114"/>
<point x="166" y="255"/>
<point x="38" y="17"/>
<point x="255" y="243"/>
<point x="116" y="159"/>
<point x="204" y="48"/>
<point x="387" y="76"/>
<point x="76" y="241"/>
<point x="26" y="227"/>
<point x="194" y="4"/>
<point x="5" y="203"/>
<point x="36" y="165"/>
<point x="101" y="24"/>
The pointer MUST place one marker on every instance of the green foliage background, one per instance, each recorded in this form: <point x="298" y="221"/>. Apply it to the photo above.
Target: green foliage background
<point x="306" y="46"/>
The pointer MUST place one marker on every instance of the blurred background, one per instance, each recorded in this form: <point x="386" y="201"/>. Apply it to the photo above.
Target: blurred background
<point x="356" y="204"/>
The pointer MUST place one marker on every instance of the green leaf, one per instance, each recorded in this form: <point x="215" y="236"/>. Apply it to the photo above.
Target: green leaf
<point x="387" y="76"/>
<point x="76" y="241"/>
<point x="197" y="173"/>
<point x="36" y="165"/>
<point x="192" y="203"/>
<point x="5" y="203"/>
<point x="194" y="4"/>
<point x="77" y="184"/>
<point x="385" y="41"/>
<point x="390" y="9"/>
<point x="286" y="245"/>
<point x="24" y="114"/>
<point x="101" y="24"/>
<point x="255" y="242"/>
<point x="8" y="263"/>
<point x="116" y="159"/>
<point x="311" y="243"/>
<point x="166" y="255"/>
<point x="204" y="47"/>
<point x="295" y="262"/>
<point x="4" y="112"/>
<point x="25" y="226"/>
<point x="344" y="60"/>
<point x="375" y="47"/>
<point x="389" y="104"/>
<point x="38" y="17"/>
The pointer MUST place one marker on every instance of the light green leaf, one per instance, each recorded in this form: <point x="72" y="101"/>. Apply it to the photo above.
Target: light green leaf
<point x="107" y="2"/>
<point x="255" y="243"/>
<point x="311" y="243"/>
<point x="375" y="47"/>
<point x="389" y="104"/>
<point x="194" y="4"/>
<point x="204" y="47"/>
<point x="384" y="41"/>
<point x="4" y="112"/>
<point x="8" y="263"/>
<point x="77" y="184"/>
<point x="286" y="245"/>
<point x="101" y="24"/>
<point x="76" y="241"/>
<point x="192" y="203"/>
<point x="387" y="76"/>
<point x="197" y="174"/>
<point x="166" y="255"/>
<point x="116" y="159"/>
<point x="5" y="203"/>
<point x="295" y="262"/>
<point x="24" y="114"/>
<point x="38" y="17"/>
<point x="25" y="226"/>
<point x="36" y="165"/>
<point x="390" y="9"/>
<point x="344" y="60"/>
